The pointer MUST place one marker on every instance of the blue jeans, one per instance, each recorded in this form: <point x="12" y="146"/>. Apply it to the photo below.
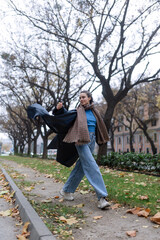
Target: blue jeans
<point x="86" y="165"/>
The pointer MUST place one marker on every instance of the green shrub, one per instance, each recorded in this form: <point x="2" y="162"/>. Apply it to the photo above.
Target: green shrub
<point x="132" y="161"/>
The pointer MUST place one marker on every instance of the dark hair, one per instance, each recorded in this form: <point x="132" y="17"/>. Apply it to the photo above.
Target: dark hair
<point x="88" y="94"/>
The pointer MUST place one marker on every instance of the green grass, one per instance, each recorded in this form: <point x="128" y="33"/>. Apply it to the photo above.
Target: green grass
<point x="124" y="188"/>
<point x="51" y="213"/>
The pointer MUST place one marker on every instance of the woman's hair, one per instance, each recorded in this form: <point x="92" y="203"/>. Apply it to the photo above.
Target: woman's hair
<point x="88" y="94"/>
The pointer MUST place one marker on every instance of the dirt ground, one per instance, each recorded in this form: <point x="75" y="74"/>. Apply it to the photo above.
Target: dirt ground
<point x="111" y="226"/>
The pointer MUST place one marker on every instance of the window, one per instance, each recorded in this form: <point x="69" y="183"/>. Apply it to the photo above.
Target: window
<point x="155" y="137"/>
<point x="140" y="150"/>
<point x="147" y="150"/>
<point x="128" y="139"/>
<point x="120" y="118"/>
<point x="126" y="128"/>
<point x="140" y="138"/>
<point x="119" y="128"/>
<point x="153" y="122"/>
<point x="119" y="140"/>
<point x="127" y="149"/>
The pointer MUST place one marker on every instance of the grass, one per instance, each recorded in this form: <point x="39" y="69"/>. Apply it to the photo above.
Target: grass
<point x="53" y="212"/>
<point x="124" y="188"/>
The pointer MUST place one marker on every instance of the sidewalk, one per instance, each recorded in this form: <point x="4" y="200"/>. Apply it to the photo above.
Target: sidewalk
<point x="8" y="228"/>
<point x="113" y="223"/>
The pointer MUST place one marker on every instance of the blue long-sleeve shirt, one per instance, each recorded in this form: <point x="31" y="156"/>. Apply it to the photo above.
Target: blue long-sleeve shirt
<point x="91" y="120"/>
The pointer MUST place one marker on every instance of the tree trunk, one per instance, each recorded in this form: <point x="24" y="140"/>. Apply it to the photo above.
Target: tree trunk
<point x="154" y="151"/>
<point x="35" y="146"/>
<point x="29" y="147"/>
<point x="101" y="152"/>
<point x="45" y="142"/>
<point x="15" y="146"/>
<point x="131" y="142"/>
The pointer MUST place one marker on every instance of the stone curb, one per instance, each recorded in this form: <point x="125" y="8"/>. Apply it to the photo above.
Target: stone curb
<point x="37" y="228"/>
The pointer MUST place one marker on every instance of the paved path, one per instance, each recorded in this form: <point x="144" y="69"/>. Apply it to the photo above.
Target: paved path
<point x="113" y="224"/>
<point x="8" y="228"/>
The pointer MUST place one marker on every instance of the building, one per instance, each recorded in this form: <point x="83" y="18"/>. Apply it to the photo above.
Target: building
<point x="140" y="142"/>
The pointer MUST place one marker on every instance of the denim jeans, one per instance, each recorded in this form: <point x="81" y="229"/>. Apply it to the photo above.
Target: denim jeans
<point x="86" y="165"/>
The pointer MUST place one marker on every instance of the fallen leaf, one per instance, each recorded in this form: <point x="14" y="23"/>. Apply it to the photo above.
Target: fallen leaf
<point x="25" y="227"/>
<point x="29" y="189"/>
<point x="134" y="210"/>
<point x="84" y="192"/>
<point x="56" y="197"/>
<point x="142" y="184"/>
<point x="122" y="174"/>
<point x="49" y="175"/>
<point x="71" y="221"/>
<point x="47" y="200"/>
<point x="144" y="213"/>
<point x="156" y="218"/>
<point x="97" y="217"/>
<point x="79" y="205"/>
<point x="4" y="192"/>
<point x="115" y="206"/>
<point x="21" y="237"/>
<point x="143" y="197"/>
<point x="131" y="233"/>
<point x="63" y="219"/>
<point x="6" y="213"/>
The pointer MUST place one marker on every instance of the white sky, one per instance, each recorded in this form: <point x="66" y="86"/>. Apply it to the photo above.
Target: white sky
<point x="8" y="20"/>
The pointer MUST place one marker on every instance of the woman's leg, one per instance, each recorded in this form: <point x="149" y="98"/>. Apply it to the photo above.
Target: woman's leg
<point x="74" y="179"/>
<point x="91" y="170"/>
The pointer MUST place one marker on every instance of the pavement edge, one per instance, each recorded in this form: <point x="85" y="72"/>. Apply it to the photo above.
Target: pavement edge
<point x="38" y="229"/>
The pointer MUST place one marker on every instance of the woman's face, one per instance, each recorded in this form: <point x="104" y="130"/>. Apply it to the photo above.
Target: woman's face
<point x="84" y="99"/>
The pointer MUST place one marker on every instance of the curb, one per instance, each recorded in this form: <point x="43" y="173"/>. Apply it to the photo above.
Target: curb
<point x="37" y="228"/>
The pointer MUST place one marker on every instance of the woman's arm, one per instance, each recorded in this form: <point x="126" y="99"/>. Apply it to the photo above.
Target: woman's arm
<point x="59" y="109"/>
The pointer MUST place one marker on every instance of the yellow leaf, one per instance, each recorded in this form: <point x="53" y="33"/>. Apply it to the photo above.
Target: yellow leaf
<point x="4" y="192"/>
<point x="79" y="205"/>
<point x="21" y="237"/>
<point x="29" y="188"/>
<point x="25" y="227"/>
<point x="63" y="219"/>
<point x="97" y="217"/>
<point x="71" y="221"/>
<point x="49" y="175"/>
<point x="6" y="213"/>
<point x="84" y="192"/>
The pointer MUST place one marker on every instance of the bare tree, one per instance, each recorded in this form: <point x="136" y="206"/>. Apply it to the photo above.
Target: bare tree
<point x="117" y="39"/>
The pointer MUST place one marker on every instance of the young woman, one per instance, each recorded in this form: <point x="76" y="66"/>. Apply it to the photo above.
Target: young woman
<point x="87" y="128"/>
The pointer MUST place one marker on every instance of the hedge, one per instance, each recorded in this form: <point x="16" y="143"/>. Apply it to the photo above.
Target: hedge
<point x="132" y="161"/>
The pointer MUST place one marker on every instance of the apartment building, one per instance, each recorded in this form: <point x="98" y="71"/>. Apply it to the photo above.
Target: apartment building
<point x="140" y="143"/>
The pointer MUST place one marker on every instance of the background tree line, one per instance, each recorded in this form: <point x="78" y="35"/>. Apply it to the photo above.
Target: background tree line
<point x="67" y="46"/>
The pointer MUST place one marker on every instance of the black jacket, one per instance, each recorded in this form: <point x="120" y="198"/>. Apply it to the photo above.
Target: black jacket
<point x="60" y="123"/>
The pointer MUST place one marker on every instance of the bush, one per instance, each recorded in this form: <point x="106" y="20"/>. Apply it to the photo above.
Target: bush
<point x="132" y="161"/>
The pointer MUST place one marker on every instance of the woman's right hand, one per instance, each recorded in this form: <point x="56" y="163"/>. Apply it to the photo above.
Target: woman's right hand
<point x="59" y="105"/>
